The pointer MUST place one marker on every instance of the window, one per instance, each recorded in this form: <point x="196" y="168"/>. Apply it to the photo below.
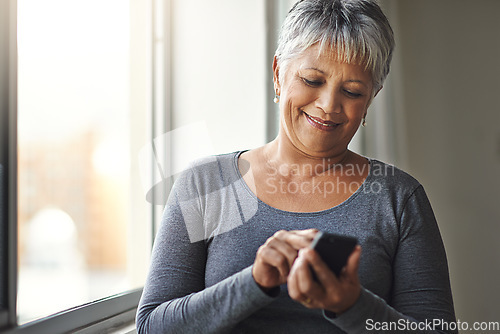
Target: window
<point x="104" y="101"/>
<point x="75" y="113"/>
<point x="75" y="155"/>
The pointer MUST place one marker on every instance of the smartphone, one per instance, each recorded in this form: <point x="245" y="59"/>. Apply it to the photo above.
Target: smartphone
<point x="334" y="249"/>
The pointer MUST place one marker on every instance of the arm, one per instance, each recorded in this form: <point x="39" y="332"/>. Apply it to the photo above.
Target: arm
<point x="421" y="288"/>
<point x="175" y="298"/>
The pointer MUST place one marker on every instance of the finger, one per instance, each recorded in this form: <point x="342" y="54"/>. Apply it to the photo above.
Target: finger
<point x="270" y="256"/>
<point x="307" y="284"/>
<point x="296" y="239"/>
<point x="352" y="266"/>
<point x="292" y="286"/>
<point x="307" y="288"/>
<point x="303" y="274"/>
<point x="309" y="233"/>
<point x="284" y="248"/>
<point x="294" y="291"/>
<point x="323" y="273"/>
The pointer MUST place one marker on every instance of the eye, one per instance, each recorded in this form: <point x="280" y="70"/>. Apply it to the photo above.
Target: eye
<point x="312" y="83"/>
<point x="352" y="94"/>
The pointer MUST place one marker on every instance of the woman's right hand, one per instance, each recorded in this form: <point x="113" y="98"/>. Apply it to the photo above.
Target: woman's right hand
<point x="276" y="256"/>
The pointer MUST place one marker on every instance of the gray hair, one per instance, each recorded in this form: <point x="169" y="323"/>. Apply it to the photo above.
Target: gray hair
<point x="356" y="30"/>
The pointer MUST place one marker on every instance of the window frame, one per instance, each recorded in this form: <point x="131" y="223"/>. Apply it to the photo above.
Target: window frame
<point x="102" y="315"/>
<point x="8" y="162"/>
<point x="85" y="315"/>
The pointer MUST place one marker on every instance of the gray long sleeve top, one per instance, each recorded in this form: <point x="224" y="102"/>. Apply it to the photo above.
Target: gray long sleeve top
<point x="200" y="279"/>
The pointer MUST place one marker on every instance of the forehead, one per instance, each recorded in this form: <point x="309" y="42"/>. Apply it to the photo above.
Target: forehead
<point x="328" y="61"/>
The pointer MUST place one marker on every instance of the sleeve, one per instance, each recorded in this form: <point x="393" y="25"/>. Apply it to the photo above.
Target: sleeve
<point x="421" y="300"/>
<point x="175" y="299"/>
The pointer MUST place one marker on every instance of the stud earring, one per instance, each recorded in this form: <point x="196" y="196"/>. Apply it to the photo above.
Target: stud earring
<point x="276" y="98"/>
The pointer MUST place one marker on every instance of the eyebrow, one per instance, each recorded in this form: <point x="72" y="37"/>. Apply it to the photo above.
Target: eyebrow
<point x="314" y="68"/>
<point x="323" y="72"/>
<point x="358" y="81"/>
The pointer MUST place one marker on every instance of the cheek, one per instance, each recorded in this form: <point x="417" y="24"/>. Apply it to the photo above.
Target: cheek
<point x="288" y="103"/>
<point x="296" y="94"/>
<point x="291" y="104"/>
<point x="358" y="109"/>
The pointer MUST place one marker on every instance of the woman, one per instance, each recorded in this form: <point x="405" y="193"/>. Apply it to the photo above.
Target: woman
<point x="232" y="254"/>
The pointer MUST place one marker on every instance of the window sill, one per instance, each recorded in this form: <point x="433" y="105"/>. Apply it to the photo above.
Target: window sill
<point x="112" y="315"/>
<point x="121" y="324"/>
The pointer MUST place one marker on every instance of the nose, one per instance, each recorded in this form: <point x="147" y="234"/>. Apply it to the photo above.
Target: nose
<point x="329" y="101"/>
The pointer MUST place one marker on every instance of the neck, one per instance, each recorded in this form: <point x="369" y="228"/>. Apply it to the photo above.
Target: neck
<point x="281" y="154"/>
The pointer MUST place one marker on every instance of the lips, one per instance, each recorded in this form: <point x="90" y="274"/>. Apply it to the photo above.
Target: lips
<point x="321" y="124"/>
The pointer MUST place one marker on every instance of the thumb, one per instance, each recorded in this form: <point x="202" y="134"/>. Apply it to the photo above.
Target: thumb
<point x="323" y="273"/>
<point x="351" y="269"/>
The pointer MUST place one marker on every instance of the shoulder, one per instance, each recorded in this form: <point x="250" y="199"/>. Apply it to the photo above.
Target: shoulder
<point x="388" y="182"/>
<point x="204" y="194"/>
<point x="395" y="190"/>
<point x="391" y="176"/>
<point x="208" y="173"/>
<point x="213" y="165"/>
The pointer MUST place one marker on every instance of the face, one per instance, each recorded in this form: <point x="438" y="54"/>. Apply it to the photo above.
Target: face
<point x="322" y="102"/>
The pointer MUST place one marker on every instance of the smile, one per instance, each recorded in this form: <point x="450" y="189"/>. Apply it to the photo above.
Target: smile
<point x="321" y="124"/>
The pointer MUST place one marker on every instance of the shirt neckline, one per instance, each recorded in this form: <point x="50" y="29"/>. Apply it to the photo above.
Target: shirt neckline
<point x="293" y="213"/>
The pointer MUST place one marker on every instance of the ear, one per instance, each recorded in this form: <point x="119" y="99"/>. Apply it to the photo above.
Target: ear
<point x="276" y="76"/>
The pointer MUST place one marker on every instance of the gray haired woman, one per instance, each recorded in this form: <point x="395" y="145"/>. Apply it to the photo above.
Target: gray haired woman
<point x="232" y="254"/>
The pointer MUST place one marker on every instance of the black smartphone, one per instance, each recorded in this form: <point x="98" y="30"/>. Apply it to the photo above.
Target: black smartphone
<point x="334" y="249"/>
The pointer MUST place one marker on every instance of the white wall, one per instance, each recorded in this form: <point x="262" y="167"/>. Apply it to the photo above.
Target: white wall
<point x="218" y="70"/>
<point x="450" y="53"/>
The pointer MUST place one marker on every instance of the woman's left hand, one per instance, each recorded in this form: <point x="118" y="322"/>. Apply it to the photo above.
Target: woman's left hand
<point x="329" y="292"/>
